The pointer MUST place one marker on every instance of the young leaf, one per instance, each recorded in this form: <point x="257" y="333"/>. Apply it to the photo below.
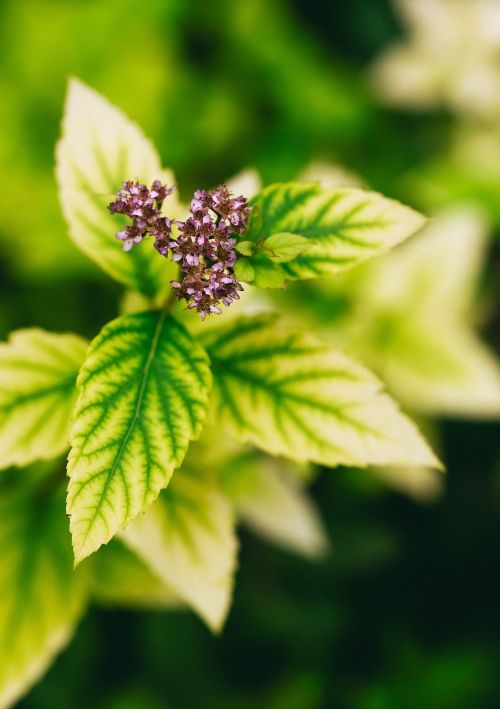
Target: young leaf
<point x="246" y="248"/>
<point x="120" y="578"/>
<point x="143" y="396"/>
<point x="38" y="373"/>
<point x="266" y="273"/>
<point x="347" y="225"/>
<point x="244" y="270"/>
<point x="285" y="247"/>
<point x="292" y="396"/>
<point x="187" y="539"/>
<point x="100" y="147"/>
<point x="41" y="598"/>
<point x="271" y="500"/>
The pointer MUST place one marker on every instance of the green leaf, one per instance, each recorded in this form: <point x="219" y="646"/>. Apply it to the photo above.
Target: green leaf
<point x="244" y="270"/>
<point x="266" y="273"/>
<point x="293" y="396"/>
<point x="347" y="225"/>
<point x="41" y="598"/>
<point x="100" y="147"/>
<point x="270" y="498"/>
<point x="143" y="396"/>
<point x="187" y="539"/>
<point x="246" y="248"/>
<point x="120" y="578"/>
<point x="38" y="373"/>
<point x="285" y="247"/>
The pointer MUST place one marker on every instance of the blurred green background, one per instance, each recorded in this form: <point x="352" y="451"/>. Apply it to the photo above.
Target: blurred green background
<point x="404" y="613"/>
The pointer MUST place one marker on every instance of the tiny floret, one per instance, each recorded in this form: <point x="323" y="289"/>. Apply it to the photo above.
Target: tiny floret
<point x="203" y="245"/>
<point x="143" y="206"/>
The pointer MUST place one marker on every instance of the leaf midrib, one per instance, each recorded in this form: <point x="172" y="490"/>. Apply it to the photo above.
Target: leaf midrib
<point x="126" y="438"/>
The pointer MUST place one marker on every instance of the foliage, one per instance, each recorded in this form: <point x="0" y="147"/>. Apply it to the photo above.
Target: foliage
<point x="144" y="381"/>
<point x="219" y="87"/>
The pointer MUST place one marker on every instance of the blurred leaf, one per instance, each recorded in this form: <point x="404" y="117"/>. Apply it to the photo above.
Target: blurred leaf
<point x="143" y="396"/>
<point x="330" y="174"/>
<point x="292" y="396"/>
<point x="41" y="598"/>
<point x="38" y="373"/>
<point x="119" y="578"/>
<point x="272" y="501"/>
<point x="247" y="183"/>
<point x="422" y="484"/>
<point x="187" y="539"/>
<point x="412" y="324"/>
<point x="347" y="225"/>
<point x="450" y="58"/>
<point x="99" y="149"/>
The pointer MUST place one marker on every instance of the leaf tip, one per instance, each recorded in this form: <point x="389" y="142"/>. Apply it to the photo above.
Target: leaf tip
<point x="76" y="85"/>
<point x="80" y="552"/>
<point x="430" y="459"/>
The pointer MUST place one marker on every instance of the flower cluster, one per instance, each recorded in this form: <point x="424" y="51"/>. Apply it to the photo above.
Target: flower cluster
<point x="143" y="206"/>
<point x="205" y="250"/>
<point x="203" y="244"/>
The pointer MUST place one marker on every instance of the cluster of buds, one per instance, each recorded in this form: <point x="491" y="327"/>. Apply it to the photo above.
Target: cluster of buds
<point x="143" y="206"/>
<point x="205" y="250"/>
<point x="203" y="245"/>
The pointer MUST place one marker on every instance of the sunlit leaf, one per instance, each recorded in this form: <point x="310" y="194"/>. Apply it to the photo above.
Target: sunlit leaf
<point x="143" y="395"/>
<point x="100" y="147"/>
<point x="293" y="396"/>
<point x="38" y="373"/>
<point x="347" y="225"/>
<point x="187" y="539"/>
<point x="41" y="598"/>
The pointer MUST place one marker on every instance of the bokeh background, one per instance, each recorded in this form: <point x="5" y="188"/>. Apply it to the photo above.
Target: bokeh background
<point x="404" y="612"/>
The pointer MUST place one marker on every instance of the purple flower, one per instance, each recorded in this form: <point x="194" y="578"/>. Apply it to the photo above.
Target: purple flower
<point x="203" y="245"/>
<point x="143" y="206"/>
<point x="205" y="288"/>
<point x="205" y="250"/>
